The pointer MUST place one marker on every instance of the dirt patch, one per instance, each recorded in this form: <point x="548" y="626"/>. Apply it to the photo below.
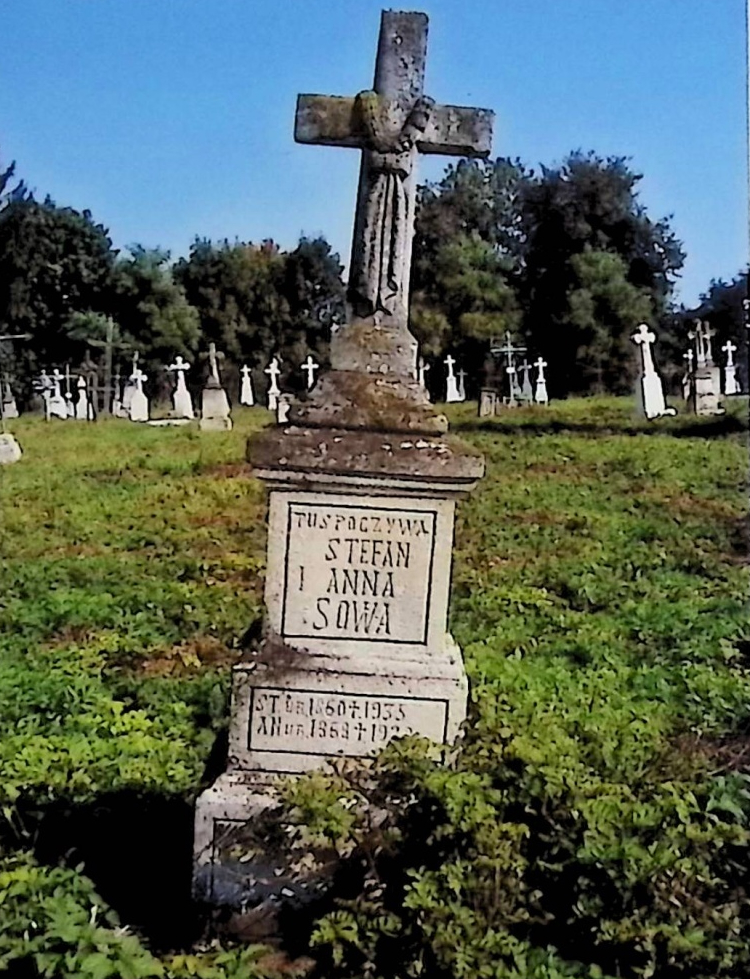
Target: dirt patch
<point x="200" y="652"/>
<point x="229" y="470"/>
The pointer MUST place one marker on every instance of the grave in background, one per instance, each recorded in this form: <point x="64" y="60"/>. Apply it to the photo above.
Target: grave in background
<point x="363" y="482"/>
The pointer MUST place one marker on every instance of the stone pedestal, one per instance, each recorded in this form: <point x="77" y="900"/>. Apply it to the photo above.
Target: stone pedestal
<point x="10" y="450"/>
<point x="215" y="416"/>
<point x="356" y="650"/>
<point x="706" y="393"/>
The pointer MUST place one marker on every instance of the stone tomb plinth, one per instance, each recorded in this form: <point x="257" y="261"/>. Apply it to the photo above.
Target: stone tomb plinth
<point x="356" y="650"/>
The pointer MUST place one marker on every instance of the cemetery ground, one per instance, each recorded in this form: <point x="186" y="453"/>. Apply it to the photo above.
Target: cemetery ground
<point x="593" y="820"/>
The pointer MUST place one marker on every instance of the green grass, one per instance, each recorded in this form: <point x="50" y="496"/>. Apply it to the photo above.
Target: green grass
<point x="599" y="594"/>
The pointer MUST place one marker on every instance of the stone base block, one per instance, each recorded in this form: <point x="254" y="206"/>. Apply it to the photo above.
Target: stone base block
<point x="215" y="410"/>
<point x="292" y="719"/>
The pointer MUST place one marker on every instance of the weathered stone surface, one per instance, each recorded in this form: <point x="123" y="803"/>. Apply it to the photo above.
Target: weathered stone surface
<point x="215" y="415"/>
<point x="337" y="453"/>
<point x="333" y="120"/>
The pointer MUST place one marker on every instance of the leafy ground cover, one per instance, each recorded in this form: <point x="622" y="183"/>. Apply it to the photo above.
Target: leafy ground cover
<point x="593" y="821"/>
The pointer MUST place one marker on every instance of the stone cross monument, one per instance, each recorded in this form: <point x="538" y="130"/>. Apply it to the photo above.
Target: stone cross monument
<point x="540" y="389"/>
<point x="182" y="403"/>
<point x="730" y="369"/>
<point x="309" y="367"/>
<point x="215" y="411"/>
<point x="649" y="392"/>
<point x="363" y="481"/>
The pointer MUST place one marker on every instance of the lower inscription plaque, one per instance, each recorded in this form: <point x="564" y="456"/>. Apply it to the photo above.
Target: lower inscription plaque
<point x="308" y="722"/>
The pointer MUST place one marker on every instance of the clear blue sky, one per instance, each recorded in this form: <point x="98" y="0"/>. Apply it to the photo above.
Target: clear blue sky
<point x="174" y="118"/>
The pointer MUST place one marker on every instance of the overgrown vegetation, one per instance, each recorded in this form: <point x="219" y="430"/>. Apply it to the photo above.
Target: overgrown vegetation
<point x="592" y="822"/>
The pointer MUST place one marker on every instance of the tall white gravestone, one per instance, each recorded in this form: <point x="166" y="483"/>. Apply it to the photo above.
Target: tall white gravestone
<point x="730" y="369"/>
<point x="363" y="483"/>
<point x="56" y="405"/>
<point x="247" y="396"/>
<point x="451" y="387"/>
<point x="138" y="408"/>
<point x="182" y="403"/>
<point x="540" y="388"/>
<point x="649" y="391"/>
<point x="273" y="370"/>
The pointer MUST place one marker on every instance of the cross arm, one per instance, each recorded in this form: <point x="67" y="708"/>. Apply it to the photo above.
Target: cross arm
<point x="452" y="130"/>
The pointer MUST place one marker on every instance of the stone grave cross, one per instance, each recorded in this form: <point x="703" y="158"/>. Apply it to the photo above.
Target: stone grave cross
<point x="309" y="367"/>
<point x="391" y="124"/>
<point x="643" y="337"/>
<point x="729" y="349"/>
<point x="7" y="338"/>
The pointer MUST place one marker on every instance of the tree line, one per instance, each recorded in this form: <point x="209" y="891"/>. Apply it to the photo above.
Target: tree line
<point x="566" y="259"/>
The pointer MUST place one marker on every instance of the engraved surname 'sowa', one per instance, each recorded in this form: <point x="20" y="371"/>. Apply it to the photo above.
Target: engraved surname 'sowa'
<point x="356" y="572"/>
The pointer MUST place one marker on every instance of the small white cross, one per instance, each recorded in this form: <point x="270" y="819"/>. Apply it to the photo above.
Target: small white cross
<point x="449" y="362"/>
<point x="644" y="335"/>
<point x="729" y="349"/>
<point x="309" y="367"/>
<point x="689" y="358"/>
<point x="179" y="365"/>
<point x="540" y="365"/>
<point x="273" y="372"/>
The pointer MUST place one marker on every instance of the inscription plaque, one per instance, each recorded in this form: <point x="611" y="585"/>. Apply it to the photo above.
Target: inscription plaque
<point x="357" y="572"/>
<point x="310" y="722"/>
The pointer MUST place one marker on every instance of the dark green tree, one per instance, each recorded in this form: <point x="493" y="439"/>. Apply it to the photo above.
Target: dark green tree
<point x="467" y="256"/>
<point x="151" y="310"/>
<point x="54" y="262"/>
<point x="590" y="205"/>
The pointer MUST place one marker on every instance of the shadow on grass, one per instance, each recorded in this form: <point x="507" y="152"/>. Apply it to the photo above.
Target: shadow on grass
<point x="137" y="849"/>
<point x="709" y="428"/>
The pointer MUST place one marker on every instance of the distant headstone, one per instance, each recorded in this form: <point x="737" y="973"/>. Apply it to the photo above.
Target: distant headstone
<point x="731" y="386"/>
<point x="10" y="450"/>
<point x="688" y="380"/>
<point x="56" y="404"/>
<point x="309" y="367"/>
<point x="649" y="392"/>
<point x="540" y="389"/>
<point x="461" y="375"/>
<point x="273" y="370"/>
<point x="138" y="411"/>
<point x="117" y="408"/>
<point x="182" y="403"/>
<point x="284" y="403"/>
<point x="487" y="402"/>
<point x="706" y="377"/>
<point x="527" y="393"/>
<point x="422" y="369"/>
<point x="247" y="395"/>
<point x="215" y="414"/>
<point x="84" y="408"/>
<point x="70" y="407"/>
<point x="9" y="408"/>
<point x="514" y="389"/>
<point x="451" y="393"/>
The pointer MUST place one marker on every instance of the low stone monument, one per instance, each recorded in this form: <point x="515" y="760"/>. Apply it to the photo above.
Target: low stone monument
<point x="649" y="391"/>
<point x="363" y="485"/>
<point x="731" y="385"/>
<point x="247" y="396"/>
<point x="182" y="403"/>
<point x="215" y="414"/>
<point x="422" y="369"/>
<point x="706" y="377"/>
<point x="540" y="388"/>
<point x="451" y="387"/>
